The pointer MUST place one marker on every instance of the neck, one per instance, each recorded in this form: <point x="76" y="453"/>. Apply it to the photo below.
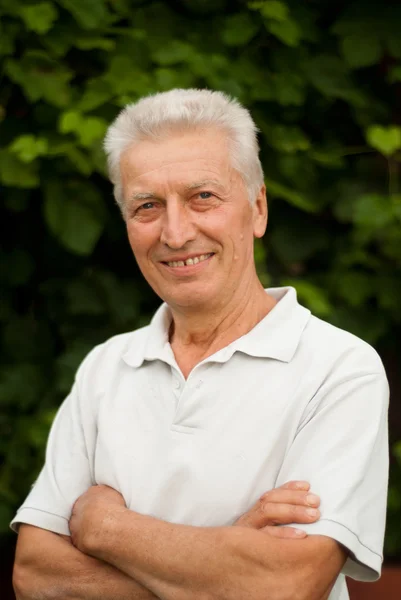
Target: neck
<point x="196" y="335"/>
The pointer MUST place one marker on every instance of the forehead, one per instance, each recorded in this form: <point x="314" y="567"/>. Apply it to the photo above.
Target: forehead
<point x="202" y="154"/>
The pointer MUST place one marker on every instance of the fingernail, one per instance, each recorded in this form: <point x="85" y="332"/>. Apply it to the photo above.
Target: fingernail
<point x="312" y="512"/>
<point x="299" y="533"/>
<point x="312" y="499"/>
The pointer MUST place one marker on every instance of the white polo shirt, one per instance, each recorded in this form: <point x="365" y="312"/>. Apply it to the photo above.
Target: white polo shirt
<point x="295" y="398"/>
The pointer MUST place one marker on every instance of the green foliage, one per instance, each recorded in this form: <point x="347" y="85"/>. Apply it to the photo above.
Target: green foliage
<point x="39" y="17"/>
<point x="386" y="140"/>
<point x="74" y="213"/>
<point x="323" y="83"/>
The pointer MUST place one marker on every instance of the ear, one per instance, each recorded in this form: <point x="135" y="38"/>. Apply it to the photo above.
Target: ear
<point x="260" y="213"/>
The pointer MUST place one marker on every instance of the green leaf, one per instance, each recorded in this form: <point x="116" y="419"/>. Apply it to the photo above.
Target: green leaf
<point x="373" y="211"/>
<point x="331" y="77"/>
<point x="39" y="17"/>
<point x="75" y="214"/>
<point x="87" y="129"/>
<point x="312" y="296"/>
<point x="278" y="22"/>
<point x="239" y="29"/>
<point x="60" y="39"/>
<point x="356" y="287"/>
<point x="179" y="77"/>
<point x="14" y="172"/>
<point x="287" y="32"/>
<point x="137" y="83"/>
<point x="386" y="140"/>
<point x="92" y="130"/>
<point x="92" y="43"/>
<point x="97" y="93"/>
<point x="79" y="159"/>
<point x="270" y="9"/>
<point x="286" y="139"/>
<point x="88" y="13"/>
<point x="29" y="147"/>
<point x="40" y="77"/>
<point x="326" y="157"/>
<point x="289" y="88"/>
<point x="278" y="190"/>
<point x="361" y="50"/>
<point x="70" y="121"/>
<point x="298" y="167"/>
<point x="175" y="52"/>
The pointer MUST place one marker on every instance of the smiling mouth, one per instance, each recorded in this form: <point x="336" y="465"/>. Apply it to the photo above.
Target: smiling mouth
<point x="190" y="261"/>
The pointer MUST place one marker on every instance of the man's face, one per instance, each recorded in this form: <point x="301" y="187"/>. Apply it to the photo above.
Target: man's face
<point x="189" y="220"/>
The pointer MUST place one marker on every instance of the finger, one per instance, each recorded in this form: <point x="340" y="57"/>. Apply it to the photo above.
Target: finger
<point x="302" y="486"/>
<point x="288" y="496"/>
<point x="272" y="513"/>
<point x="285" y="532"/>
<point x="295" y="485"/>
<point x="284" y="514"/>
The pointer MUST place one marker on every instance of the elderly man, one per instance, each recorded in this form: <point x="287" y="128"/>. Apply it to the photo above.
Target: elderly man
<point x="174" y="431"/>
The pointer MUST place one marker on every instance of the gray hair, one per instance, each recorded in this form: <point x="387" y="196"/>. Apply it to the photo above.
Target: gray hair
<point x="155" y="116"/>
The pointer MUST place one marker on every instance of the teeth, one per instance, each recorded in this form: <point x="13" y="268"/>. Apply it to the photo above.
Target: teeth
<point x="189" y="261"/>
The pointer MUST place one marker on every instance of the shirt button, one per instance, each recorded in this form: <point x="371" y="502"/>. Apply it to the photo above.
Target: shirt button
<point x="176" y="384"/>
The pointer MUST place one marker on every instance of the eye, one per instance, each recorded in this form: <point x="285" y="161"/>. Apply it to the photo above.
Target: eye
<point x="147" y="205"/>
<point x="205" y="195"/>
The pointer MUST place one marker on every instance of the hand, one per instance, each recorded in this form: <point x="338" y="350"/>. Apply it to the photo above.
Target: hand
<point x="290" y="503"/>
<point x="90" y="511"/>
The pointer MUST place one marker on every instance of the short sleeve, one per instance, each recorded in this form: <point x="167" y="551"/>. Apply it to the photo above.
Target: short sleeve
<point x="341" y="448"/>
<point x="68" y="471"/>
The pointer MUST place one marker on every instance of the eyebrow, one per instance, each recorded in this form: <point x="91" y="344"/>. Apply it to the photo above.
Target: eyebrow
<point x="203" y="183"/>
<point x="191" y="186"/>
<point x="142" y="196"/>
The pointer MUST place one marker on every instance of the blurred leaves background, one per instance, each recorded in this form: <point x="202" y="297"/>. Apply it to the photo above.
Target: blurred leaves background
<point x="323" y="82"/>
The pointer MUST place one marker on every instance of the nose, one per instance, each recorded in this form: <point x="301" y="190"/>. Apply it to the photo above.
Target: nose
<point x="177" y="227"/>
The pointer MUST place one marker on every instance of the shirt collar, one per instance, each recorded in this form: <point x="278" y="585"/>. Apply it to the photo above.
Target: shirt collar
<point x="276" y="336"/>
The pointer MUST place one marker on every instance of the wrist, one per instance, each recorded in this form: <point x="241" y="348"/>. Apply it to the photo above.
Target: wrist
<point x="106" y="529"/>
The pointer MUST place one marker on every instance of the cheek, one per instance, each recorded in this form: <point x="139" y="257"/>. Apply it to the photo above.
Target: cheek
<point x="140" y="239"/>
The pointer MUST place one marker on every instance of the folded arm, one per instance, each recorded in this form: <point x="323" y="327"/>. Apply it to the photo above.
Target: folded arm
<point x="48" y="567"/>
<point x="213" y="563"/>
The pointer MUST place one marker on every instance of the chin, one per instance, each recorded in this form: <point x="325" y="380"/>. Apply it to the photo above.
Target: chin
<point x="190" y="299"/>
